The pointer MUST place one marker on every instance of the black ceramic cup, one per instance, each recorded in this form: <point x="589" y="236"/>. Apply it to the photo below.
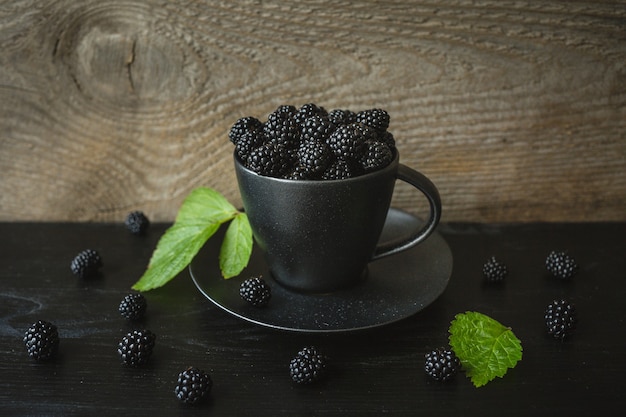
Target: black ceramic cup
<point x="319" y="236"/>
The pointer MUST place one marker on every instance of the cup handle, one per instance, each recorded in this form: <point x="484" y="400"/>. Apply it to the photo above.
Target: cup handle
<point x="422" y="183"/>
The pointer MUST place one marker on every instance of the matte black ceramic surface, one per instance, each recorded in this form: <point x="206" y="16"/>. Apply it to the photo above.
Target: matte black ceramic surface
<point x="396" y="287"/>
<point x="318" y="236"/>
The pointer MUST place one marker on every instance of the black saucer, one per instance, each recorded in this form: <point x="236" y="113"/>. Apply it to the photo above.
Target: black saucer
<point x="396" y="287"/>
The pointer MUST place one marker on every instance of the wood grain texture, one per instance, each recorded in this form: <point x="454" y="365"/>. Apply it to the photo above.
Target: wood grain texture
<point x="515" y="109"/>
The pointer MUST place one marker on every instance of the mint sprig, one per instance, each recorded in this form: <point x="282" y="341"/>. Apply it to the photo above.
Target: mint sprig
<point x="486" y="348"/>
<point x="202" y="213"/>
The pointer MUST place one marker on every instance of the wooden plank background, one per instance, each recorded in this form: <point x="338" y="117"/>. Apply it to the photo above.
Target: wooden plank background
<point x="515" y="109"/>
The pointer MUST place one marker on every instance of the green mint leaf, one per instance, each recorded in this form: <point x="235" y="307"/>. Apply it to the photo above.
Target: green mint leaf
<point x="199" y="217"/>
<point x="173" y="253"/>
<point x="205" y="206"/>
<point x="237" y="246"/>
<point x="486" y="348"/>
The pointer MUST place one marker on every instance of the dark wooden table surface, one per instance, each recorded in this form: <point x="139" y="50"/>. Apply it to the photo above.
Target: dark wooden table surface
<point x="373" y="372"/>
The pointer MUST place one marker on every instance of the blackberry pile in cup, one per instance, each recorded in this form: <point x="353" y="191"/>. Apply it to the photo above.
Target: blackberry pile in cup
<point x="311" y="143"/>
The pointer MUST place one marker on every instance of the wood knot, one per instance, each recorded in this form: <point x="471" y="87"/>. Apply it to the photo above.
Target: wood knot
<point x="120" y="55"/>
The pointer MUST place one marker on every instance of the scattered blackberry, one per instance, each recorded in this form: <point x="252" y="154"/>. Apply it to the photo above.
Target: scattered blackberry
<point x="243" y="126"/>
<point x="308" y="110"/>
<point x="341" y="117"/>
<point x="494" y="271"/>
<point x="270" y="159"/>
<point x="193" y="386"/>
<point x="561" y="265"/>
<point x="560" y="318"/>
<point x="133" y="306"/>
<point x="42" y="340"/>
<point x="136" y="347"/>
<point x="137" y="222"/>
<point x="442" y="364"/>
<point x="86" y="264"/>
<point x="374" y="118"/>
<point x="255" y="291"/>
<point x="347" y="141"/>
<point x="376" y="155"/>
<point x="308" y="366"/>
<point x="314" y="157"/>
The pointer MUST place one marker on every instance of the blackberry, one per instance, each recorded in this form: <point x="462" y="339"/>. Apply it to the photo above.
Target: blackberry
<point x="133" y="306"/>
<point x="193" y="386"/>
<point x="442" y="364"/>
<point x="316" y="128"/>
<point x="247" y="142"/>
<point x="376" y="155"/>
<point x="284" y="110"/>
<point x="137" y="222"/>
<point x="561" y="265"/>
<point x="270" y="159"/>
<point x="283" y="128"/>
<point x="314" y="157"/>
<point x="560" y="317"/>
<point x="243" y="126"/>
<point x="136" y="347"/>
<point x="255" y="291"/>
<point x="494" y="271"/>
<point x="86" y="264"/>
<point x="293" y="143"/>
<point x="347" y="141"/>
<point x="340" y="170"/>
<point x="374" y="118"/>
<point x="42" y="340"/>
<point x="309" y="110"/>
<point x="387" y="138"/>
<point x="341" y="117"/>
<point x="299" y="173"/>
<point x="308" y="366"/>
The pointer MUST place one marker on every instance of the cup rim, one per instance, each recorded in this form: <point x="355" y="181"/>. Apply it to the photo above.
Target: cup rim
<point x="388" y="167"/>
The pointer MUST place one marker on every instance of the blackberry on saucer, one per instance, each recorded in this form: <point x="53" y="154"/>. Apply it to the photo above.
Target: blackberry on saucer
<point x="255" y="291"/>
